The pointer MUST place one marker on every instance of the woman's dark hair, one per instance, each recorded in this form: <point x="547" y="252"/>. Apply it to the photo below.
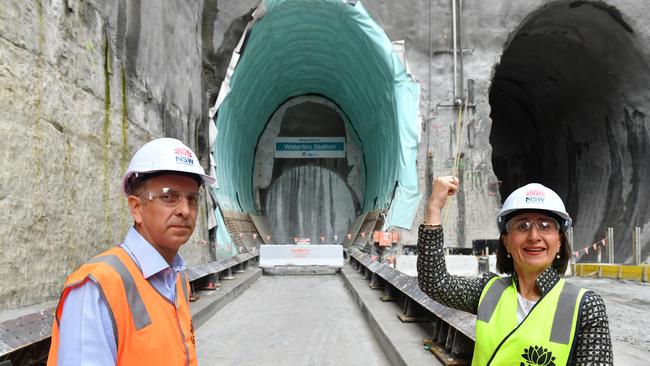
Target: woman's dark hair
<point x="507" y="265"/>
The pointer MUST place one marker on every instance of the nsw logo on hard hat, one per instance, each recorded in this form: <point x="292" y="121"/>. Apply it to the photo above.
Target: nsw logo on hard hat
<point x="183" y="156"/>
<point x="535" y="196"/>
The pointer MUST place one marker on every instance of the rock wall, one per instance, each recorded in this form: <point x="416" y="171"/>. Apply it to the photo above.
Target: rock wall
<point x="597" y="49"/>
<point x="84" y="84"/>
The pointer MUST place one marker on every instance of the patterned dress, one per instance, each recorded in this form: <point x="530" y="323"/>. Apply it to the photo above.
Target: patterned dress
<point x="592" y="346"/>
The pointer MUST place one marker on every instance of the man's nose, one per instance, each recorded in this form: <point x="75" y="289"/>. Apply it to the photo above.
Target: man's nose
<point x="183" y="207"/>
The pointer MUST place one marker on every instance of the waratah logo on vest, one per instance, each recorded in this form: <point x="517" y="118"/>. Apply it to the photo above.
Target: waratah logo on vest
<point x="537" y="356"/>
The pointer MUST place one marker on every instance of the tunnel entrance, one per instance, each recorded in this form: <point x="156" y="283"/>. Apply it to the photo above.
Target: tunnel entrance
<point x="567" y="113"/>
<point x="335" y="51"/>
<point x="306" y="193"/>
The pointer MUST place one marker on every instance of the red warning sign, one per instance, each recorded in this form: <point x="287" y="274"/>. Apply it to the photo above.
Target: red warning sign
<point x="300" y="252"/>
<point x="382" y="237"/>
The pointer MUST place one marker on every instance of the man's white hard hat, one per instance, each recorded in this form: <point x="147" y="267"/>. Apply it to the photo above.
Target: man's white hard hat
<point x="164" y="154"/>
<point x="534" y="197"/>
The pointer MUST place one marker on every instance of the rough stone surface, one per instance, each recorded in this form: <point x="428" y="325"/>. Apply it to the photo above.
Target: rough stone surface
<point x="84" y="84"/>
<point x="487" y="32"/>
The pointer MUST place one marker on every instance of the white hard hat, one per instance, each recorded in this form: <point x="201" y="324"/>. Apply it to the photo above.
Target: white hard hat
<point x="534" y="196"/>
<point x="164" y="154"/>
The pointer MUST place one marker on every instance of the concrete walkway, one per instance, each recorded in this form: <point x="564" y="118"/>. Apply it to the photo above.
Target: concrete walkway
<point x="402" y="342"/>
<point x="290" y="320"/>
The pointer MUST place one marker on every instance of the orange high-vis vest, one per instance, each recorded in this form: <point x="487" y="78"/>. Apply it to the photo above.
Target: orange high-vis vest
<point x="149" y="329"/>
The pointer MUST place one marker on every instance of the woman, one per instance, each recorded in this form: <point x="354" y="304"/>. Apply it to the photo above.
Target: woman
<point x="532" y="316"/>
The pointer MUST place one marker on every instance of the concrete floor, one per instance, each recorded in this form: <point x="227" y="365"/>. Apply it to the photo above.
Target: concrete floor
<point x="290" y="320"/>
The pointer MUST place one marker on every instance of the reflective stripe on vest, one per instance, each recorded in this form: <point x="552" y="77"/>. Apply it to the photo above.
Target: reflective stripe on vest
<point x="489" y="303"/>
<point x="184" y="284"/>
<point x="561" y="330"/>
<point x="501" y="341"/>
<point x="140" y="315"/>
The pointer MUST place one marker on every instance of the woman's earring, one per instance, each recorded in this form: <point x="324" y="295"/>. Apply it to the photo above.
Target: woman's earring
<point x="508" y="255"/>
<point x="557" y="256"/>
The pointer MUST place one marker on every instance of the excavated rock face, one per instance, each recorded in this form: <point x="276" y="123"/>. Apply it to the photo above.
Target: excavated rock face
<point x="568" y="111"/>
<point x="83" y="85"/>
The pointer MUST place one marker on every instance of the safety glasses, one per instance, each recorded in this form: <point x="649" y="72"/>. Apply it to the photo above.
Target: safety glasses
<point x="523" y="225"/>
<point x="171" y="197"/>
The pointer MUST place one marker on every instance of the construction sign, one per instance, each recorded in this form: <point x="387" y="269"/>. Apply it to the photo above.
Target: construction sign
<point x="384" y="238"/>
<point x="302" y="240"/>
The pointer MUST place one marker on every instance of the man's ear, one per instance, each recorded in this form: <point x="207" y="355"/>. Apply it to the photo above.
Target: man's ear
<point x="135" y="206"/>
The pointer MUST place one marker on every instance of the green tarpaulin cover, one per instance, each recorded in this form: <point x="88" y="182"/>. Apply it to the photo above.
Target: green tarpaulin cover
<point x="335" y="49"/>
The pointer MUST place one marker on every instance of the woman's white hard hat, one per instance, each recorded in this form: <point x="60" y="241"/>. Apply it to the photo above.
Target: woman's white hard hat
<point x="164" y="154"/>
<point x="535" y="197"/>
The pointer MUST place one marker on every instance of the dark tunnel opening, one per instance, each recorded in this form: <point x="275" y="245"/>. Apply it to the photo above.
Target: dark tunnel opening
<point x="315" y="197"/>
<point x="567" y="112"/>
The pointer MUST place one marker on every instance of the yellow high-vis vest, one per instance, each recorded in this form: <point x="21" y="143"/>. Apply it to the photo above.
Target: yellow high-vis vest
<point x="544" y="337"/>
<point x="149" y="328"/>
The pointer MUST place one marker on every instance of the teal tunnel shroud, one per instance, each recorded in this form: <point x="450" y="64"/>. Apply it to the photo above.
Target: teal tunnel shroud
<point x="334" y="49"/>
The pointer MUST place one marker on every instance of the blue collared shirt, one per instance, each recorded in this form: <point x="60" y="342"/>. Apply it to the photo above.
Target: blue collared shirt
<point x="86" y="330"/>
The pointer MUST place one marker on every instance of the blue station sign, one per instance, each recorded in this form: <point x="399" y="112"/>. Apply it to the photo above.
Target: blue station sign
<point x="310" y="147"/>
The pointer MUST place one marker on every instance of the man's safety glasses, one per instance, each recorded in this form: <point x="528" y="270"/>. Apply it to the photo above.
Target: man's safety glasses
<point x="171" y="197"/>
<point x="523" y="225"/>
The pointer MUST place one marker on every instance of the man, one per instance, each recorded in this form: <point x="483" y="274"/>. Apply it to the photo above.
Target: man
<point x="129" y="305"/>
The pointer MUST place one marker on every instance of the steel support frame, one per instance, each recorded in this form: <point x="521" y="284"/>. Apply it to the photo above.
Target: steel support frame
<point x="448" y="344"/>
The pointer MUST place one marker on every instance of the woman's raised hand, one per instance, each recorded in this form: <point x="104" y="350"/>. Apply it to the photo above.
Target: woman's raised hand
<point x="443" y="187"/>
